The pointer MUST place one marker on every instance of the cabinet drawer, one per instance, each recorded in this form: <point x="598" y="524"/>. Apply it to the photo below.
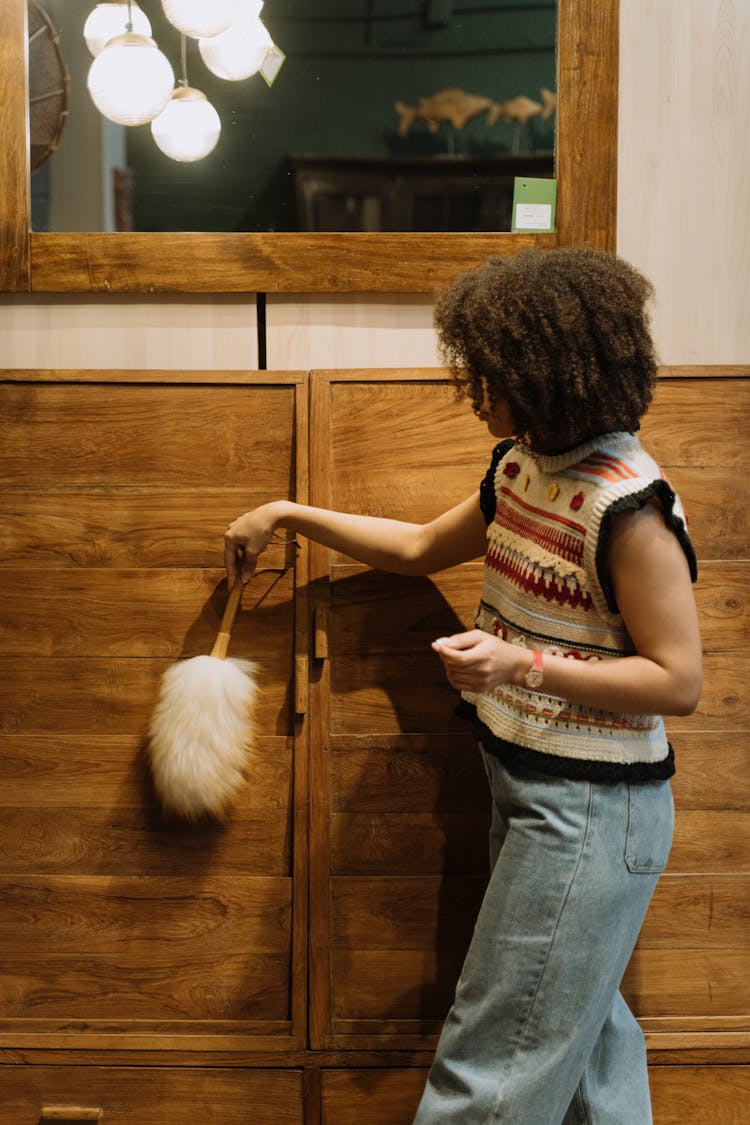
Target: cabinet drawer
<point x="702" y="1095"/>
<point x="38" y="1095"/>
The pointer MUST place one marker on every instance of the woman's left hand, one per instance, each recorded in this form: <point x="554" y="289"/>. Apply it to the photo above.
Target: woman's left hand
<point x="479" y="661"/>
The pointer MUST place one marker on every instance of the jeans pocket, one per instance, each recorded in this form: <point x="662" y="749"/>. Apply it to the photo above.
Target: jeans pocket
<point x="650" y="827"/>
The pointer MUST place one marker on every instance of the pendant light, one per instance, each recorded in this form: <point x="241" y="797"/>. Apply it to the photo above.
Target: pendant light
<point x="239" y="51"/>
<point x="130" y="80"/>
<point x="108" y="20"/>
<point x="189" y="128"/>
<point x="132" y="83"/>
<point x="196" y="17"/>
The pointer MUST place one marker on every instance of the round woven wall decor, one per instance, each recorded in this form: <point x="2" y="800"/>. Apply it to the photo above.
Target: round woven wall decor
<point x="49" y="83"/>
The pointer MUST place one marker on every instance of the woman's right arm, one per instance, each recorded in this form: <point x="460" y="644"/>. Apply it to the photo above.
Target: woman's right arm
<point x="456" y="536"/>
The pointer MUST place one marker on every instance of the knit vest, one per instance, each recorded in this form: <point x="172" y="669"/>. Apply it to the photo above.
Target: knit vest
<point x="546" y="587"/>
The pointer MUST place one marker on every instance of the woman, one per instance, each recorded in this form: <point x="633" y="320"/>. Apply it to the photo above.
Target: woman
<point x="585" y="635"/>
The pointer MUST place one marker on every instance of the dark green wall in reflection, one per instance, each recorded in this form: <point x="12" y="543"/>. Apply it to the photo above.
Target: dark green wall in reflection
<point x="347" y="62"/>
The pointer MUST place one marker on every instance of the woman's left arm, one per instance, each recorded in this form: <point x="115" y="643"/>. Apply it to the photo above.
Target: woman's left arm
<point x="651" y="583"/>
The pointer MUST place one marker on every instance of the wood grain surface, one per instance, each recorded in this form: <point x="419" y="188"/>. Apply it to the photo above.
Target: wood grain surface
<point x="142" y="1094"/>
<point x="701" y="1095"/>
<point x="118" y="920"/>
<point x="15" y="205"/>
<point x="122" y="926"/>
<point x="403" y="805"/>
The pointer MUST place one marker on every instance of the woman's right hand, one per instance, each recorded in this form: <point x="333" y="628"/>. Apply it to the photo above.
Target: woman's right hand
<point x="245" y="539"/>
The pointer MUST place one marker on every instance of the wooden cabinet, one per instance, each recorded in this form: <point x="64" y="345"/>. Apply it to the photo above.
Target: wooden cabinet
<point x="150" y="967"/>
<point x="435" y="193"/>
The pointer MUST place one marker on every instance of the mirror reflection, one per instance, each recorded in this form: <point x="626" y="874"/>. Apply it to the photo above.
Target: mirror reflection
<point x="393" y="115"/>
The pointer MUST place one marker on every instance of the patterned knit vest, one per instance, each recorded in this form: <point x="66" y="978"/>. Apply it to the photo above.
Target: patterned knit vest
<point x="546" y="587"/>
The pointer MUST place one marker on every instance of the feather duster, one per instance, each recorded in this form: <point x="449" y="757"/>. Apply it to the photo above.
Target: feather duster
<point x="202" y="726"/>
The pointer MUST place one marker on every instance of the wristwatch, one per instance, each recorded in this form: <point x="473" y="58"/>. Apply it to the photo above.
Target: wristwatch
<point x="535" y="675"/>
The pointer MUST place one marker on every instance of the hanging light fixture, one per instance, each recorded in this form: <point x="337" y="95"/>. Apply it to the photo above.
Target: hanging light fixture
<point x="189" y="128"/>
<point x="239" y="51"/>
<point x="196" y="18"/>
<point x="108" y="20"/>
<point x="130" y="81"/>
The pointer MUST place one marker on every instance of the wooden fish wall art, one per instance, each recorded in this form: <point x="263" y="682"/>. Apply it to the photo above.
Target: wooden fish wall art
<point x="457" y="107"/>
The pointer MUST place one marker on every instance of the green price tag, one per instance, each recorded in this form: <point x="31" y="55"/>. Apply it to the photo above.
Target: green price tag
<point x="534" y="204"/>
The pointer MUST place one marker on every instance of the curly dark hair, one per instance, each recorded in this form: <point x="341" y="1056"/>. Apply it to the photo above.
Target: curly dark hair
<point x="561" y="336"/>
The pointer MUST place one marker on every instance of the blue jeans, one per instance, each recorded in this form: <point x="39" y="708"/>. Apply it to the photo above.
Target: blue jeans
<point x="539" y="1033"/>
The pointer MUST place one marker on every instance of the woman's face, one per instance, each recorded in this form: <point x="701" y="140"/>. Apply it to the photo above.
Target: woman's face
<point x="495" y="415"/>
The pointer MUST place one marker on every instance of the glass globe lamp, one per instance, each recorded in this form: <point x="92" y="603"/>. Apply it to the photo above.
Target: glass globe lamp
<point x="238" y="52"/>
<point x="108" y="20"/>
<point x="188" y="129"/>
<point x="130" y="81"/>
<point x="196" y="17"/>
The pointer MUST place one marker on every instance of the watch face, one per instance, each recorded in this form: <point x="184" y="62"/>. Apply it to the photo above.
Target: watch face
<point x="534" y="678"/>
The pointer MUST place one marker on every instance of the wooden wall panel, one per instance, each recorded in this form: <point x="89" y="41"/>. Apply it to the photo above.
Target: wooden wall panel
<point x="341" y="330"/>
<point x="105" y="435"/>
<point x="371" y="910"/>
<point x="99" y="331"/>
<point x="401" y="805"/>
<point x="96" y="612"/>
<point x="128" y="953"/>
<point x="400" y="443"/>
<point x="119" y="921"/>
<point x="684" y="92"/>
<point x="388" y="1097"/>
<point x="698" y="430"/>
<point x="425" y="843"/>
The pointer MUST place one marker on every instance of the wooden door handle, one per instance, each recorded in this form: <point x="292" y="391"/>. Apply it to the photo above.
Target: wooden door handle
<point x="320" y="633"/>
<point x="71" y="1113"/>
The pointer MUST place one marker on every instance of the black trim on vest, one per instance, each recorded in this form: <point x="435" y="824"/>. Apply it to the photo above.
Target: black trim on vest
<point x="520" y="759"/>
<point x="635" y="501"/>
<point x="487" y="498"/>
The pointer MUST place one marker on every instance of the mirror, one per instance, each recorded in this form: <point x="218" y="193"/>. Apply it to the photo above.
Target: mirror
<point x="317" y="261"/>
<point x="382" y="118"/>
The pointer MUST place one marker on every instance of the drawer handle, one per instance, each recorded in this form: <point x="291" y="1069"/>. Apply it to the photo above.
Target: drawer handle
<point x="70" y="1113"/>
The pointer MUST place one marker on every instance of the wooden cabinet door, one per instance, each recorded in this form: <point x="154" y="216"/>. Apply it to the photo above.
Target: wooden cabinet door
<point x="120" y="927"/>
<point x="398" y="798"/>
<point x="398" y="795"/>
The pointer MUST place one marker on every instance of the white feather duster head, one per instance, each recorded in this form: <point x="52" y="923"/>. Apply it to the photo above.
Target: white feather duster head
<point x="199" y="734"/>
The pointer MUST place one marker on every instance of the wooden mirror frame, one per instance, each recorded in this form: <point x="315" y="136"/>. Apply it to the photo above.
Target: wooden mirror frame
<point x="586" y="170"/>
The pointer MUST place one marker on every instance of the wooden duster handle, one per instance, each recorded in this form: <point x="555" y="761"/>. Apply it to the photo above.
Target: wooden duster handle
<point x="221" y="644"/>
